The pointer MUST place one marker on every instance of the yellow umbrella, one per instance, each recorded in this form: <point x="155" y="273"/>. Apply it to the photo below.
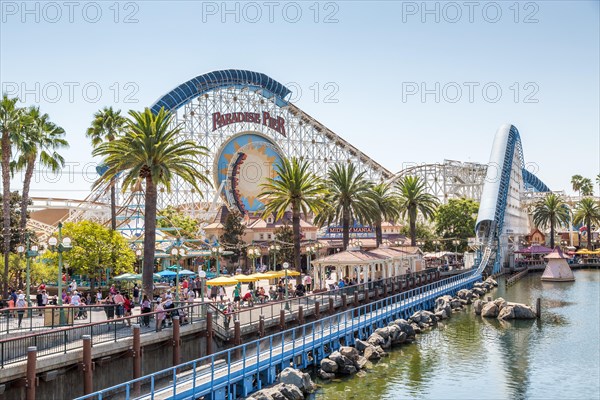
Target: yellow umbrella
<point x="245" y="278"/>
<point x="222" y="281"/>
<point x="260" y="275"/>
<point x="583" y="251"/>
<point x="292" y="272"/>
<point x="274" y="274"/>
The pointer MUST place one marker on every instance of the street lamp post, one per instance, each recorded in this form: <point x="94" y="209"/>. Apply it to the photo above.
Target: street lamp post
<point x="30" y="251"/>
<point x="217" y="250"/>
<point x="139" y="254"/>
<point x="286" y="265"/>
<point x="274" y="248"/>
<point x="60" y="246"/>
<point x="253" y="253"/>
<point x="202" y="276"/>
<point x="310" y="250"/>
<point x="178" y="253"/>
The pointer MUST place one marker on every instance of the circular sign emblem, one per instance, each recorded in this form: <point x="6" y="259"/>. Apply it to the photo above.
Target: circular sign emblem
<point x="243" y="163"/>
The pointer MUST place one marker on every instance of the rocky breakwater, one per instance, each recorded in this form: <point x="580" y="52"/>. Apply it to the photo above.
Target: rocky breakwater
<point x="503" y="310"/>
<point x="351" y="360"/>
<point x="293" y="385"/>
<point x="446" y="305"/>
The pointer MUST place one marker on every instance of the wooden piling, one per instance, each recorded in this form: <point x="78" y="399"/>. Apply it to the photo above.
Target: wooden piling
<point x="538" y="307"/>
<point x="137" y="357"/>
<point x="176" y="342"/>
<point x="282" y="319"/>
<point x="301" y="315"/>
<point x="209" y="333"/>
<point x="317" y="309"/>
<point x="88" y="384"/>
<point x="31" y="365"/>
<point x="331" y="308"/>
<point x="261" y="326"/>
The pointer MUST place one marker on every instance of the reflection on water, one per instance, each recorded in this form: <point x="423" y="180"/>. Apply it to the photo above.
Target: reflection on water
<point x="469" y="357"/>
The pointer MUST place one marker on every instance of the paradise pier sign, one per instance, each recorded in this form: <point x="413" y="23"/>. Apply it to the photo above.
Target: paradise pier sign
<point x="264" y="118"/>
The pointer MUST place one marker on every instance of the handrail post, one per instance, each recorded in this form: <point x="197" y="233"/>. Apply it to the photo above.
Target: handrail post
<point x="31" y="365"/>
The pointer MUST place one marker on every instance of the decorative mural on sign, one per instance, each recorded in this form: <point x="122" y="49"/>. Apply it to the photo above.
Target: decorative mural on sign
<point x="243" y="163"/>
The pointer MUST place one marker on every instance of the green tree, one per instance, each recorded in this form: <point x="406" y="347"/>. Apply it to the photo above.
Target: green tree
<point x="414" y="199"/>
<point x="233" y="231"/>
<point x="173" y="219"/>
<point x="40" y="141"/>
<point x="423" y="232"/>
<point x="17" y="266"/>
<point x="151" y="151"/>
<point x="12" y="123"/>
<point x="386" y="207"/>
<point x="107" y="125"/>
<point x="94" y="249"/>
<point x="587" y="212"/>
<point x="15" y="218"/>
<point x="551" y="211"/>
<point x="349" y="199"/>
<point x="456" y="219"/>
<point x="285" y="235"/>
<point x="295" y="187"/>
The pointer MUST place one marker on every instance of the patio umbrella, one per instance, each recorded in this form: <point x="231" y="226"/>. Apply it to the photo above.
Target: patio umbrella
<point x="292" y="272"/>
<point x="138" y="277"/>
<point x="274" y="274"/>
<point x="260" y="275"/>
<point x="245" y="278"/>
<point x="124" y="277"/>
<point x="222" y="281"/>
<point x="167" y="274"/>
<point x="186" y="272"/>
<point x="583" y="251"/>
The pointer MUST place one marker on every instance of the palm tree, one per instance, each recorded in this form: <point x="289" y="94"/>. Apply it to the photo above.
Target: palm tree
<point x="150" y="151"/>
<point x="106" y="126"/>
<point x="414" y="199"/>
<point x="41" y="139"/>
<point x="349" y="199"/>
<point x="587" y="211"/>
<point x="295" y="188"/>
<point x="587" y="187"/>
<point x="551" y="211"/>
<point x="12" y="123"/>
<point x="576" y="183"/>
<point x="386" y="207"/>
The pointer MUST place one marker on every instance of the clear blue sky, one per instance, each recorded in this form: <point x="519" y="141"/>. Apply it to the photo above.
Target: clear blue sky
<point x="372" y="52"/>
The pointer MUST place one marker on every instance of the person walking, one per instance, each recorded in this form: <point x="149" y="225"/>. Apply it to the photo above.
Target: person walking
<point x="136" y="294"/>
<point x="213" y="293"/>
<point x="222" y="293"/>
<point x="146" y="308"/>
<point x="119" y="301"/>
<point x="20" y="305"/>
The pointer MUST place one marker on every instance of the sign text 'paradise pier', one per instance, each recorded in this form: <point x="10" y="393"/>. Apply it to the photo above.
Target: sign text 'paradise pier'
<point x="277" y="124"/>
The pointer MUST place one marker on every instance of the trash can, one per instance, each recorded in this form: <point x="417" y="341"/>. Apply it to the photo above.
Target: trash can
<point x="52" y="316"/>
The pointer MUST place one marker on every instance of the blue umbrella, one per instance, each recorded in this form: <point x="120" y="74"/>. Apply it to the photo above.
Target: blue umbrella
<point x="167" y="274"/>
<point x="186" y="272"/>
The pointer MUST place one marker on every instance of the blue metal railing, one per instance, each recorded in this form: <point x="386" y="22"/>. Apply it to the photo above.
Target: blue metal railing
<point x="233" y="370"/>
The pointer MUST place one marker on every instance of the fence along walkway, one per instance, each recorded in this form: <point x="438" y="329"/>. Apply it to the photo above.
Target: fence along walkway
<point x="63" y="339"/>
<point x="250" y="366"/>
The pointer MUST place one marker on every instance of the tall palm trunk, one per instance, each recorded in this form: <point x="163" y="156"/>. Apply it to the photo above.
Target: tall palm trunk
<point x="149" y="236"/>
<point x="296" y="229"/>
<point x="588" y="224"/>
<point x="552" y="232"/>
<point x="113" y="205"/>
<point x="378" y="233"/>
<point x="345" y="228"/>
<point x="6" y="154"/>
<point x="412" y="217"/>
<point x="25" y="198"/>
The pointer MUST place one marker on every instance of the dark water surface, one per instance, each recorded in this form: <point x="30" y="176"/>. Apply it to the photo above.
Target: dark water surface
<point x="468" y="357"/>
